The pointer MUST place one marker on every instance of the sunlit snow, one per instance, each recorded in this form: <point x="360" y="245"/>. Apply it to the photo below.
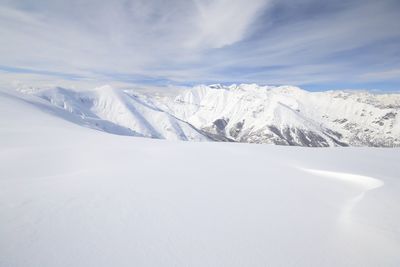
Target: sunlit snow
<point x="74" y="196"/>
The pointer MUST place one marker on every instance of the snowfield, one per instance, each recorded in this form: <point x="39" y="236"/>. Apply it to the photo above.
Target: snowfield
<point x="74" y="196"/>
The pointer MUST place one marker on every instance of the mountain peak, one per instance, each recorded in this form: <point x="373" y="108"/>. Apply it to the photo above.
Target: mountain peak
<point x="285" y="115"/>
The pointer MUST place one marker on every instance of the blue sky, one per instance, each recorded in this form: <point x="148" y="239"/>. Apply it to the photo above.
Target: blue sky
<point x="314" y="44"/>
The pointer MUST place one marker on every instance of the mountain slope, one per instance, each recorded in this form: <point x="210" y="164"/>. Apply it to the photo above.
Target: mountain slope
<point x="282" y="115"/>
<point x="290" y="116"/>
<point x="105" y="106"/>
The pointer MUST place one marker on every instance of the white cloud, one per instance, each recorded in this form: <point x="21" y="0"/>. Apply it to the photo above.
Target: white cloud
<point x="119" y="35"/>
<point x="379" y="75"/>
<point x="200" y="40"/>
<point x="223" y="22"/>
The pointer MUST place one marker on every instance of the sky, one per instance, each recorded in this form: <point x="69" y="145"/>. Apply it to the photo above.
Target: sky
<point x="314" y="44"/>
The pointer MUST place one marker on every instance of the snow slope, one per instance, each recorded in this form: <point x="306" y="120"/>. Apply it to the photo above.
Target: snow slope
<point x="73" y="196"/>
<point x="104" y="106"/>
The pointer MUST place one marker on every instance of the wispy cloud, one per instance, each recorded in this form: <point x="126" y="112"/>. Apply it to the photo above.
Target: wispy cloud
<point x="223" y="22"/>
<point x="180" y="41"/>
<point x="387" y="74"/>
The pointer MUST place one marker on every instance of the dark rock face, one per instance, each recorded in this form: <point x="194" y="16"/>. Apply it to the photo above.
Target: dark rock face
<point x="221" y="130"/>
<point x="273" y="135"/>
<point x="299" y="137"/>
<point x="390" y="115"/>
<point x="220" y="125"/>
<point x="236" y="129"/>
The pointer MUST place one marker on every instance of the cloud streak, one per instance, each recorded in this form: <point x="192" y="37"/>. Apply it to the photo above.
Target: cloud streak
<point x="199" y="41"/>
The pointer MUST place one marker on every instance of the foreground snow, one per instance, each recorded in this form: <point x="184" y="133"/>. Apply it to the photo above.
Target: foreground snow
<point x="73" y="196"/>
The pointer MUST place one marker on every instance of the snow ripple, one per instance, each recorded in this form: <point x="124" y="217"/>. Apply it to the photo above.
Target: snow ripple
<point x="365" y="183"/>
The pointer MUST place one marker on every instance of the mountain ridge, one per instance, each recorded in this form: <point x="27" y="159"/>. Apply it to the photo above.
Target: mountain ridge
<point x="283" y="115"/>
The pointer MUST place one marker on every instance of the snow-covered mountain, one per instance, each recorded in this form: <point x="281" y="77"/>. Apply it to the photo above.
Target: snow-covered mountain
<point x="114" y="111"/>
<point x="290" y="116"/>
<point x="249" y="113"/>
<point x="73" y="196"/>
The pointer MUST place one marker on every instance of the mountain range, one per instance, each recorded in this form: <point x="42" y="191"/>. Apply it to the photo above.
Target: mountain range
<point x="248" y="113"/>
